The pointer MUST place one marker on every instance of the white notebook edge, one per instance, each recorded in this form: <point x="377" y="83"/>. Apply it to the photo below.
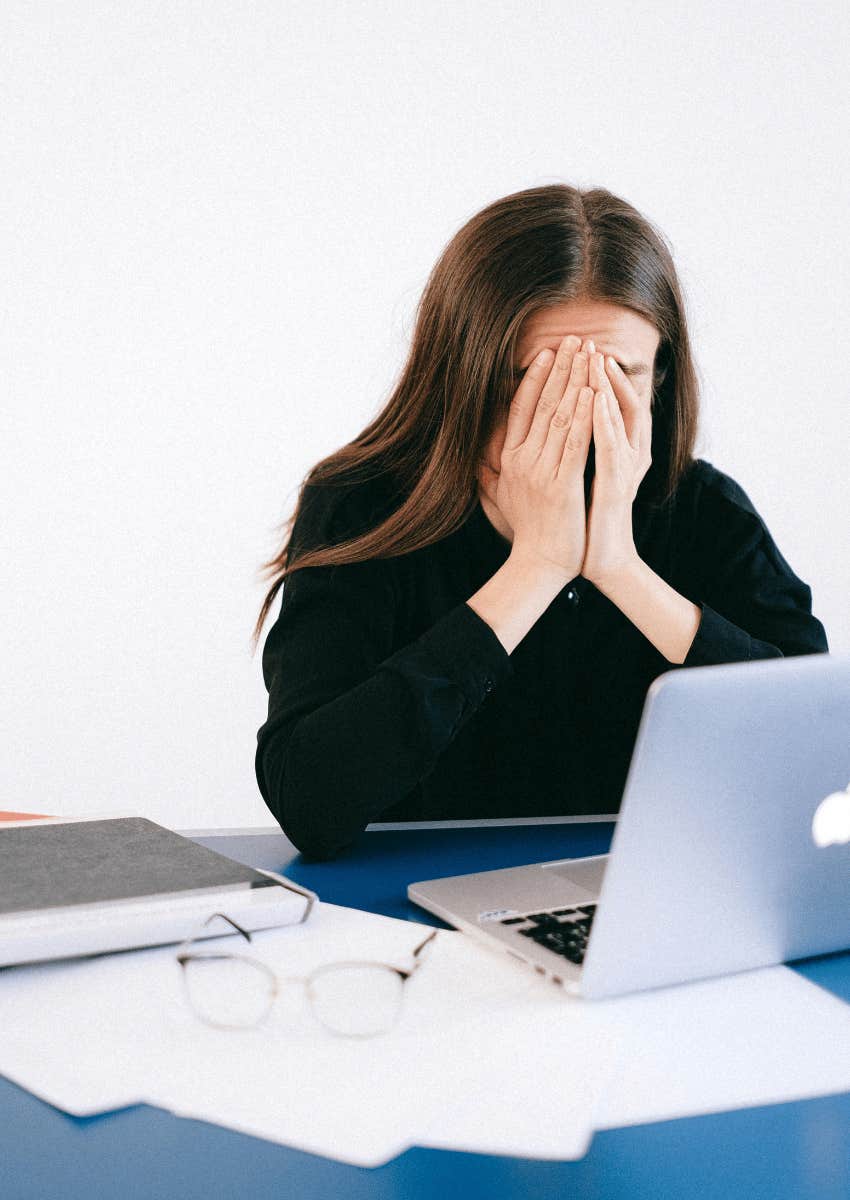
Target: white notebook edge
<point x="137" y="922"/>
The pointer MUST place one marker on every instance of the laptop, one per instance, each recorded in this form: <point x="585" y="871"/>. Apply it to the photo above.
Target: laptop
<point x="731" y="850"/>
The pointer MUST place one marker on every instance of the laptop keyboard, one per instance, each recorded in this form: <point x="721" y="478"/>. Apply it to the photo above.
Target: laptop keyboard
<point x="564" y="930"/>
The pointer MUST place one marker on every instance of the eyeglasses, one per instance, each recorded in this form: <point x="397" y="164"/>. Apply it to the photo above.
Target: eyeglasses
<point x="236" y="991"/>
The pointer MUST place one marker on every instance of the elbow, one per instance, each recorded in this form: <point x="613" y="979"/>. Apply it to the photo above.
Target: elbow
<point x="302" y="818"/>
<point x="311" y="837"/>
<point x="312" y="846"/>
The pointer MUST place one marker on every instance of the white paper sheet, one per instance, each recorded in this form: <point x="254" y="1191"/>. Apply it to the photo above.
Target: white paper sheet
<point x="531" y="1070"/>
<point x="102" y="1033"/>
<point x="759" y="1037"/>
<point x="487" y="1056"/>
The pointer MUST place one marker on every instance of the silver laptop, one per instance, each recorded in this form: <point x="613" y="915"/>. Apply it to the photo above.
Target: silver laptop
<point x="731" y="851"/>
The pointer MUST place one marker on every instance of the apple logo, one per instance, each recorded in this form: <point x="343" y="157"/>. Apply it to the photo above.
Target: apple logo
<point x="831" y="822"/>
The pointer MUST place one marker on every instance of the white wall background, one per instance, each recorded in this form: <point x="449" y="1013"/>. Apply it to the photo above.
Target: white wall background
<point x="216" y="221"/>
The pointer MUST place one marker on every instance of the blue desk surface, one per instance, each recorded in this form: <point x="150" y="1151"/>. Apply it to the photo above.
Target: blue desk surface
<point x="792" y="1151"/>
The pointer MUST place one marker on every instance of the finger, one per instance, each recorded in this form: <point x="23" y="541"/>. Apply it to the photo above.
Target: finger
<point x="604" y="434"/>
<point x="559" y="425"/>
<point x="571" y="445"/>
<point x="596" y="376"/>
<point x="525" y="400"/>
<point x="616" y="417"/>
<point x="600" y="382"/>
<point x="568" y="361"/>
<point x="628" y="402"/>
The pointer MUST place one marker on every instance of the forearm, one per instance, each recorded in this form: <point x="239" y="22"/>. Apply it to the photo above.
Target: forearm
<point x="516" y="596"/>
<point x="327" y="769"/>
<point x="667" y="618"/>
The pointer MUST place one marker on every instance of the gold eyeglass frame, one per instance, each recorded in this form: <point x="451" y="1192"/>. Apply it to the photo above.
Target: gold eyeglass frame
<point x="184" y="956"/>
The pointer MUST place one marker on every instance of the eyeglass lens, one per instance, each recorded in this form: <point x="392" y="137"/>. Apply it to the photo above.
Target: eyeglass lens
<point x="356" y="1000"/>
<point x="228" y="991"/>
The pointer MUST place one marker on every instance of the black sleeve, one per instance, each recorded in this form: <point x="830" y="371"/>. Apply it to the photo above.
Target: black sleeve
<point x="752" y="603"/>
<point x="353" y="725"/>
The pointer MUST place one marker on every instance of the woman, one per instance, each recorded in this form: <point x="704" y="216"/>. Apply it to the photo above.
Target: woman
<point x="482" y="585"/>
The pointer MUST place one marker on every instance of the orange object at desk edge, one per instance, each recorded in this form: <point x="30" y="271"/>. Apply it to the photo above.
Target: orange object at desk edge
<point x="15" y="816"/>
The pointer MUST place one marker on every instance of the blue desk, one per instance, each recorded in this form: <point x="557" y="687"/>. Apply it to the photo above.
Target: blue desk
<point x="791" y="1151"/>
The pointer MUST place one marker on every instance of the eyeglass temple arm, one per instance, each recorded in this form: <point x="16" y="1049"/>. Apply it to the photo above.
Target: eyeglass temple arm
<point x="417" y="961"/>
<point x="311" y="897"/>
<point x="422" y="946"/>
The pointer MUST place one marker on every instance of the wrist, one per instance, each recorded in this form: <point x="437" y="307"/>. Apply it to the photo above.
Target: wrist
<point x="619" y="576"/>
<point x="541" y="570"/>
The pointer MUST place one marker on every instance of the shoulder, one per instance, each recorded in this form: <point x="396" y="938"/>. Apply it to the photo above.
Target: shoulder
<point x="729" y="529"/>
<point x="719" y="491"/>
<point x="337" y="511"/>
<point x="709" y="502"/>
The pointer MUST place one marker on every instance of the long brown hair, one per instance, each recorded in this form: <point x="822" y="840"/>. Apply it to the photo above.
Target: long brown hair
<point x="529" y="250"/>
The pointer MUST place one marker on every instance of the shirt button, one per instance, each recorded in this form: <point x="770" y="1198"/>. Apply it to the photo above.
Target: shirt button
<point x="573" y="597"/>
<point x="488" y="685"/>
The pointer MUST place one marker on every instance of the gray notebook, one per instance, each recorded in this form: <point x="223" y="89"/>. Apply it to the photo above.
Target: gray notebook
<point x="85" y="886"/>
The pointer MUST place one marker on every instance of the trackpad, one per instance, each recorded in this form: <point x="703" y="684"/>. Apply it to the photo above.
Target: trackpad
<point x="586" y="872"/>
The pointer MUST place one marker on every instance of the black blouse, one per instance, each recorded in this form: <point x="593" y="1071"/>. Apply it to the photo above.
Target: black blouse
<point x="391" y="699"/>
